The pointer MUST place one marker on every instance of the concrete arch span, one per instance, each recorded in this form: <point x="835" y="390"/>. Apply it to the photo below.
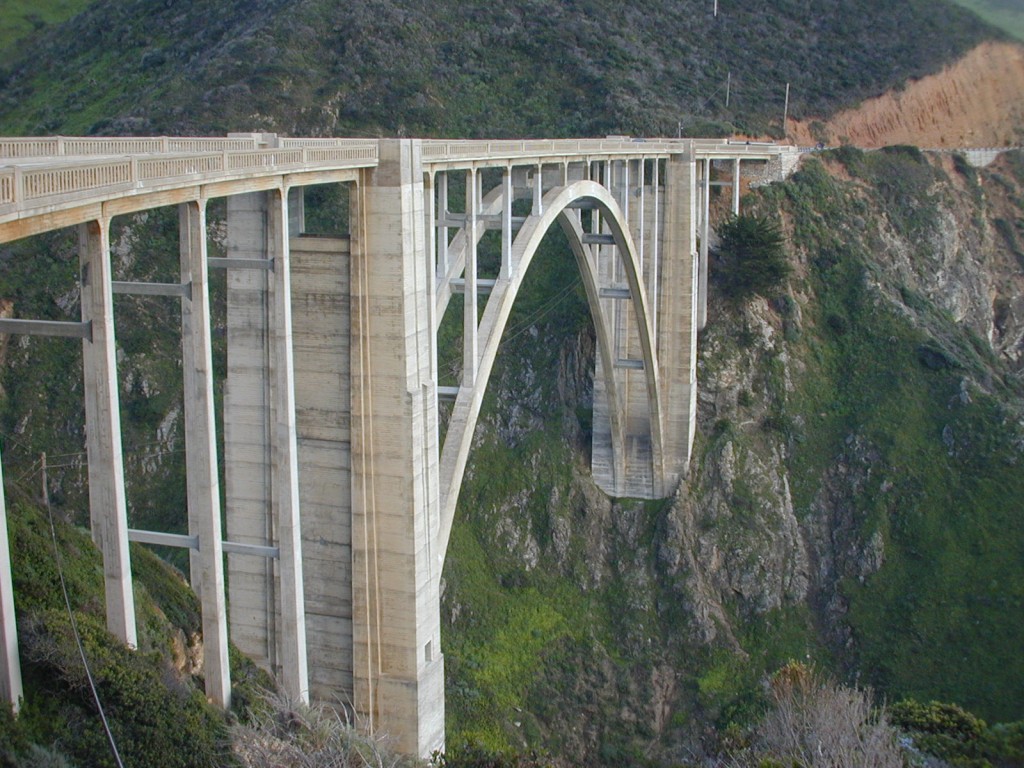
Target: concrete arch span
<point x="558" y="205"/>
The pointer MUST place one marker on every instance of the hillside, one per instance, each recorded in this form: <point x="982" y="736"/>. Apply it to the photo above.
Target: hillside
<point x="1005" y="14"/>
<point x="453" y="68"/>
<point x="978" y="101"/>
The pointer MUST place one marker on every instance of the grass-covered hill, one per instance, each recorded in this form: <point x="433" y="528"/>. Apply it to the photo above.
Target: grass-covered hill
<point x="463" y="68"/>
<point x="1006" y="14"/>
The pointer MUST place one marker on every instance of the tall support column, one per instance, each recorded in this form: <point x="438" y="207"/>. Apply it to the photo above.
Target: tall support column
<point x="399" y="669"/>
<point x="641" y="240"/>
<point x="653" y="272"/>
<point x="203" y="485"/>
<point x="260" y="443"/>
<point x="506" y="224"/>
<point x="442" y="226"/>
<point x="284" y="465"/>
<point x="429" y="220"/>
<point x="10" y="663"/>
<point x="736" y="187"/>
<point x="252" y="581"/>
<point x="677" y="328"/>
<point x="538" y="191"/>
<point x="107" y="504"/>
<point x="470" y="317"/>
<point x="705" y="231"/>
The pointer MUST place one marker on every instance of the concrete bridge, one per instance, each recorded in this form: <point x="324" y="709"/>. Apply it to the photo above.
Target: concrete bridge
<point x="340" y="491"/>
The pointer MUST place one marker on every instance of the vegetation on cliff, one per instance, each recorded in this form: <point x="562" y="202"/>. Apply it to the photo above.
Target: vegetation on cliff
<point x="452" y="68"/>
<point x="157" y="712"/>
<point x="851" y="500"/>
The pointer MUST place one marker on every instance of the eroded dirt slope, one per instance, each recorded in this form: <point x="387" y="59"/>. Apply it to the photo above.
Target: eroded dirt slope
<point x="977" y="102"/>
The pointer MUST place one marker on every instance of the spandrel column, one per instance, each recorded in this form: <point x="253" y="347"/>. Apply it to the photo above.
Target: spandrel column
<point x="203" y="485"/>
<point x="107" y="504"/>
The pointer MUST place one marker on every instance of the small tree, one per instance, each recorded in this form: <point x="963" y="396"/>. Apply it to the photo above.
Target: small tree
<point x="750" y="258"/>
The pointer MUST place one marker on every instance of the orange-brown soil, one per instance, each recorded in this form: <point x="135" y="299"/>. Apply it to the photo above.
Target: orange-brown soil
<point x="976" y="102"/>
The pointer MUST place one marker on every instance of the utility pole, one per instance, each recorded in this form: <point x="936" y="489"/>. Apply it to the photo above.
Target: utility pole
<point x="716" y="9"/>
<point x="46" y="483"/>
<point x="728" y="87"/>
<point x="785" y="111"/>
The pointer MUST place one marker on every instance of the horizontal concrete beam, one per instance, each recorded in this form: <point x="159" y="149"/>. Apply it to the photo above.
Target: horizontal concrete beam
<point x="483" y="286"/>
<point x="447" y="393"/>
<point x="615" y="293"/>
<point x="66" y="329"/>
<point x="240" y="263"/>
<point x="152" y="289"/>
<point x="183" y="541"/>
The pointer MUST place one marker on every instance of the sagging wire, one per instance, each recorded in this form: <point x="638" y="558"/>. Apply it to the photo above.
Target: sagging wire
<point x="78" y="642"/>
<point x="545" y="310"/>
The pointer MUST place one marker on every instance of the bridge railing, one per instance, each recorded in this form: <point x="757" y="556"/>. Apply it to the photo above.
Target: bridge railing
<point x="71" y="146"/>
<point x="439" y="150"/>
<point x="25" y="184"/>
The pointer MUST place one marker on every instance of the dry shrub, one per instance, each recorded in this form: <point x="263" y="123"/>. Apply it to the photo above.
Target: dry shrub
<point x="284" y="734"/>
<point x="816" y="723"/>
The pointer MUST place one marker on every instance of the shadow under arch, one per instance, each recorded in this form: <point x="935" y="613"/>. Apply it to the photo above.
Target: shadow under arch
<point x="557" y="205"/>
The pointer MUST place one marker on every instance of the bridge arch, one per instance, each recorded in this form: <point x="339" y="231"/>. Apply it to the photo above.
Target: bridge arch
<point x="559" y="205"/>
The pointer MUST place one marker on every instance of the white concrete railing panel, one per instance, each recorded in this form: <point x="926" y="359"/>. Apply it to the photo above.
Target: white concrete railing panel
<point x="48" y="182"/>
<point x="69" y="146"/>
<point x="173" y="167"/>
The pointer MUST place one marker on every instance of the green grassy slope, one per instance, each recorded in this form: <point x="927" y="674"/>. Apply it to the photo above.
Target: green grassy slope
<point x="22" y="20"/>
<point x="1008" y="15"/>
<point x="925" y="422"/>
<point x="469" y="69"/>
<point x="158" y="714"/>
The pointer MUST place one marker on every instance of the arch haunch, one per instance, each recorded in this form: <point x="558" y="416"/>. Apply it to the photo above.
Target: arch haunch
<point x="557" y="207"/>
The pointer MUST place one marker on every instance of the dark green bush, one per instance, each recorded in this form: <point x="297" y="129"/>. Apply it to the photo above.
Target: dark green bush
<point x="953" y="734"/>
<point x="750" y="258"/>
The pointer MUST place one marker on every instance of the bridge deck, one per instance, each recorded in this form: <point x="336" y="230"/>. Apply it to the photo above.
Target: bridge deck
<point x="57" y="180"/>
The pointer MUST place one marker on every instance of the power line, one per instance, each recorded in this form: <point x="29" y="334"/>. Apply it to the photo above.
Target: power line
<point x="78" y="642"/>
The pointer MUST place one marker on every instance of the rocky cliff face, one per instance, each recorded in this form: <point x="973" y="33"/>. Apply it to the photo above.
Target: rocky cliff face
<point x="856" y="444"/>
